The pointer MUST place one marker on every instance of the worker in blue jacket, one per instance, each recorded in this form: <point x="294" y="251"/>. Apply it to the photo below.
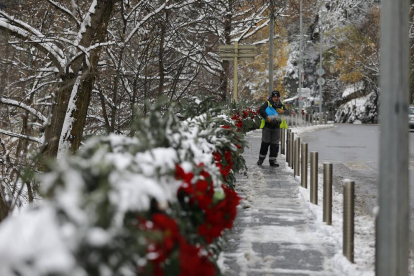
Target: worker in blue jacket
<point x="271" y="128"/>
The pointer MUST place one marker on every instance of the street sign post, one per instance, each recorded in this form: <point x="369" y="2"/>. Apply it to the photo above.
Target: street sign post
<point x="236" y="52"/>
<point x="320" y="71"/>
<point x="321" y="81"/>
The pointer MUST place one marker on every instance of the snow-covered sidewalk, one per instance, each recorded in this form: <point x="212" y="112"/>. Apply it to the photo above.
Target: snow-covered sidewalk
<point x="279" y="232"/>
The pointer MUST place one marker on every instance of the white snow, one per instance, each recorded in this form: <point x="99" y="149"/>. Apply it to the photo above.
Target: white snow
<point x="50" y="251"/>
<point x="64" y="143"/>
<point x="355" y="109"/>
<point x="87" y="20"/>
<point x="364" y="225"/>
<point x="350" y="89"/>
<point x="133" y="192"/>
<point x="133" y="179"/>
<point x="38" y="114"/>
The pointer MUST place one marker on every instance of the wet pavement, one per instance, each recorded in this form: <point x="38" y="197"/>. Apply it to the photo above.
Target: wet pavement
<point x="274" y="233"/>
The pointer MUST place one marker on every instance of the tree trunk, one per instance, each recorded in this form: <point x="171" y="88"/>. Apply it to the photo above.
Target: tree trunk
<point x="54" y="129"/>
<point x="5" y="69"/>
<point x="161" y="56"/>
<point x="224" y="74"/>
<point x="95" y="33"/>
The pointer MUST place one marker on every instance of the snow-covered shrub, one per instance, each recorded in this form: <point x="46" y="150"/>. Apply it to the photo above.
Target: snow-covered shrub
<point x="359" y="110"/>
<point x="152" y="204"/>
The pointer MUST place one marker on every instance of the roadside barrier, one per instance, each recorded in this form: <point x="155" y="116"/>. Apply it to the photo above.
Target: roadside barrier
<point x="288" y="145"/>
<point x="304" y="165"/>
<point x="348" y="223"/>
<point x="297" y="159"/>
<point x="327" y="193"/>
<point x="282" y="141"/>
<point x="314" y="177"/>
<point x="296" y="169"/>
<point x="291" y="146"/>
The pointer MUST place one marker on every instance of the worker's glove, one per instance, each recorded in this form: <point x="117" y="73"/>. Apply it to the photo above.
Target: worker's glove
<point x="276" y="122"/>
<point x="268" y="119"/>
<point x="280" y="111"/>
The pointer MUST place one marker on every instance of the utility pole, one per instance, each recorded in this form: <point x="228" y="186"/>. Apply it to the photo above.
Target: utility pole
<point x="300" y="61"/>
<point x="320" y="62"/>
<point x="393" y="217"/>
<point x="272" y="18"/>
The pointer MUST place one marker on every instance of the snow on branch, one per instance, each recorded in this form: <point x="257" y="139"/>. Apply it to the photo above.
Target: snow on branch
<point x="244" y="12"/>
<point x="249" y="32"/>
<point x="24" y="31"/>
<point x="181" y="5"/>
<point x="85" y="51"/>
<point x="23" y="106"/>
<point x="132" y="12"/>
<point x="65" y="10"/>
<point x="12" y="134"/>
<point x="264" y="41"/>
<point x="148" y="16"/>
<point x="248" y="25"/>
<point x="87" y="20"/>
<point x="64" y="143"/>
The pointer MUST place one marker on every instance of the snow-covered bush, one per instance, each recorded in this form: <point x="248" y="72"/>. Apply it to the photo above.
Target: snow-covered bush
<point x="359" y="110"/>
<point x="153" y="204"/>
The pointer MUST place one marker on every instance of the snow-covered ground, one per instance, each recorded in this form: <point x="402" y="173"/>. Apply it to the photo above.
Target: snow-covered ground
<point x="364" y="241"/>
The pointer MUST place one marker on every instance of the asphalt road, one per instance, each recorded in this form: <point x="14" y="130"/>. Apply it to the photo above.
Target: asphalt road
<point x="354" y="152"/>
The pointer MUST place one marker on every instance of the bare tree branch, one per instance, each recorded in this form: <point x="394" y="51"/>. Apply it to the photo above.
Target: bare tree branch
<point x="8" y="133"/>
<point x="65" y="10"/>
<point x="23" y="106"/>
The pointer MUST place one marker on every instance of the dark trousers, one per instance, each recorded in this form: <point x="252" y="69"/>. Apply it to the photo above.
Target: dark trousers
<point x="270" y="138"/>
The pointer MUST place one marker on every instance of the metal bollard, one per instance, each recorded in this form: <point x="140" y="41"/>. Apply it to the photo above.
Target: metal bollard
<point x="292" y="164"/>
<point x="304" y="165"/>
<point x="326" y="119"/>
<point x="314" y="177"/>
<point x="291" y="148"/>
<point x="348" y="223"/>
<point x="282" y="141"/>
<point x="296" y="171"/>
<point x="288" y="145"/>
<point x="327" y="193"/>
